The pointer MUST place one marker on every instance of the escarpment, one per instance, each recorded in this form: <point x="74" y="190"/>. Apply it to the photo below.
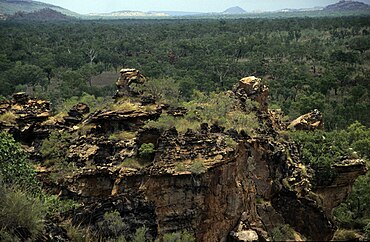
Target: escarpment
<point x="216" y="183"/>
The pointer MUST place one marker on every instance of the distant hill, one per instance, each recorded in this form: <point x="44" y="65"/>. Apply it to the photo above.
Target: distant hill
<point x="234" y="10"/>
<point x="45" y="14"/>
<point x="128" y="13"/>
<point x="345" y="5"/>
<point x="10" y="7"/>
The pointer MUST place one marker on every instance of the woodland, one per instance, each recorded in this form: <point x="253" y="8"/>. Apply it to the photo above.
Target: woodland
<point x="308" y="63"/>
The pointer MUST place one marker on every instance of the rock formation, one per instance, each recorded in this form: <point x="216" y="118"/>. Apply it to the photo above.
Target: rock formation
<point x="197" y="181"/>
<point x="128" y="77"/>
<point x="308" y="121"/>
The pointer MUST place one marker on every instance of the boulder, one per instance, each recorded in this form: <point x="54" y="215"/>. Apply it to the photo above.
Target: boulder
<point x="308" y="121"/>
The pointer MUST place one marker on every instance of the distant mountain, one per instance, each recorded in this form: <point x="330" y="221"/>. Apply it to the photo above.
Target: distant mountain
<point x="128" y="13"/>
<point x="45" y="14"/>
<point x="345" y="5"/>
<point x="292" y="10"/>
<point x="178" y="13"/>
<point x="10" y="7"/>
<point x="234" y="10"/>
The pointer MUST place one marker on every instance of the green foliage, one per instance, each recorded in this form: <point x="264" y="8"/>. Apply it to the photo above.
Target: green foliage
<point x="55" y="147"/>
<point x="367" y="231"/>
<point x="179" y="237"/>
<point x="146" y="151"/>
<point x="112" y="225"/>
<point x="321" y="149"/>
<point x="218" y="108"/>
<point x="355" y="211"/>
<point x="283" y="233"/>
<point x="215" y="108"/>
<point x="307" y="60"/>
<point x="15" y="169"/>
<point x="162" y="90"/>
<point x="93" y="102"/>
<point x="54" y="205"/>
<point x="230" y="142"/>
<point x="139" y="235"/>
<point x="21" y="214"/>
<point x="78" y="233"/>
<point x="197" y="167"/>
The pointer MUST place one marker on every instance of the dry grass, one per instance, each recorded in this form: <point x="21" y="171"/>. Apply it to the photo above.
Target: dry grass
<point x="125" y="106"/>
<point x="123" y="135"/>
<point x="58" y="118"/>
<point x="8" y="117"/>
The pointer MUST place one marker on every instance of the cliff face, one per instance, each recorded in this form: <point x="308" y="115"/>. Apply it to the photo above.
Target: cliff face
<point x="219" y="185"/>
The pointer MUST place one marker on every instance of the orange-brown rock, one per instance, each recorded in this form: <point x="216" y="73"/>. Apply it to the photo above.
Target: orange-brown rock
<point x="308" y="121"/>
<point x="339" y="189"/>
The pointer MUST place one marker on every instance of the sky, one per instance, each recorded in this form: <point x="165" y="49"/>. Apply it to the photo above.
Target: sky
<point x="104" y="6"/>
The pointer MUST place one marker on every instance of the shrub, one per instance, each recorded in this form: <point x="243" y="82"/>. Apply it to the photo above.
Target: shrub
<point x="146" y="151"/>
<point x="179" y="237"/>
<point x="140" y="235"/>
<point x="283" y="233"/>
<point x="197" y="167"/>
<point x="55" y="205"/>
<point x="367" y="231"/>
<point x="162" y="90"/>
<point x="112" y="225"/>
<point x="164" y="122"/>
<point x="230" y="142"/>
<point x="54" y="148"/>
<point x="21" y="214"/>
<point x="78" y="233"/>
<point x="14" y="166"/>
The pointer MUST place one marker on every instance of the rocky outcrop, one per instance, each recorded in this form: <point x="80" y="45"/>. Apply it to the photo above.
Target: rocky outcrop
<point x="219" y="185"/>
<point x="75" y="114"/>
<point x="252" y="88"/>
<point x="128" y="77"/>
<point x="308" y="121"/>
<point x="23" y="117"/>
<point x="337" y="191"/>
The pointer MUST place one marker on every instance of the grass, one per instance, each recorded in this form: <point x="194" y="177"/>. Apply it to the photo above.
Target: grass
<point x="230" y="142"/>
<point x="59" y="117"/>
<point x="345" y="235"/>
<point x="124" y="105"/>
<point x="8" y="117"/>
<point x="197" y="167"/>
<point x="21" y="214"/>
<point x="131" y="163"/>
<point x="123" y="135"/>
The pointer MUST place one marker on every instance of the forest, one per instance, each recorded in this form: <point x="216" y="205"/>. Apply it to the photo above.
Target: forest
<point x="308" y="63"/>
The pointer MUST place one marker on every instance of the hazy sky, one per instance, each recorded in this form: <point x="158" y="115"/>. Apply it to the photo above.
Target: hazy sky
<point x="100" y="6"/>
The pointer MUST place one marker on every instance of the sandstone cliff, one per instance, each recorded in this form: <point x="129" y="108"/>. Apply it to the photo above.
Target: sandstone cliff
<point x="219" y="185"/>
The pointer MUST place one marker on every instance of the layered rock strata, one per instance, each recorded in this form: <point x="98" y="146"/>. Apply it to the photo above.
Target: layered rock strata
<point x="219" y="185"/>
